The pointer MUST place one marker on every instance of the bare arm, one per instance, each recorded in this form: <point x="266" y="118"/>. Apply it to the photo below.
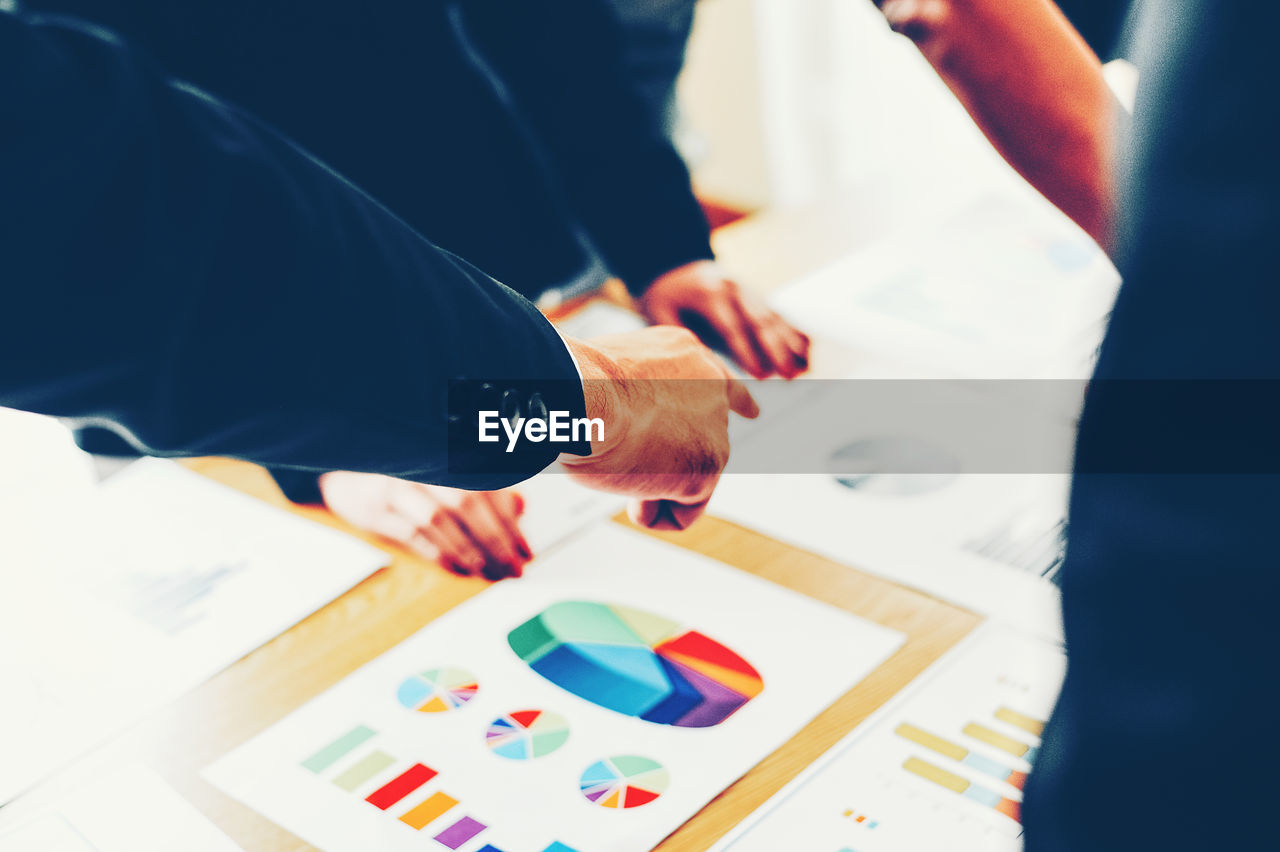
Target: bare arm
<point x="1034" y="87"/>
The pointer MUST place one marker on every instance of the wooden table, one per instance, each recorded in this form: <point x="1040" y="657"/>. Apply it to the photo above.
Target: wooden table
<point x="179" y="740"/>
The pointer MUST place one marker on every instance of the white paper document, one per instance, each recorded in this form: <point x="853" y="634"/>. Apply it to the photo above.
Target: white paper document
<point x="140" y="591"/>
<point x="39" y="466"/>
<point x="595" y="705"/>
<point x="886" y="489"/>
<point x="597" y="318"/>
<point x="131" y="810"/>
<point x="556" y="507"/>
<point x="985" y="542"/>
<point x="942" y="767"/>
<point x="1006" y="287"/>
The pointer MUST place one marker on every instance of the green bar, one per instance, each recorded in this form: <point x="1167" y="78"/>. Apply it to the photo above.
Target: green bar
<point x="336" y="750"/>
<point x="361" y="772"/>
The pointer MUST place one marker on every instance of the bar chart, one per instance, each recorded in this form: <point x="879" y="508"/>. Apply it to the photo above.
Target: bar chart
<point x="943" y="767"/>
<point x="354" y="763"/>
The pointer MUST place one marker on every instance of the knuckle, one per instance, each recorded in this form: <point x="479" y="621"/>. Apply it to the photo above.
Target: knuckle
<point x="681" y="335"/>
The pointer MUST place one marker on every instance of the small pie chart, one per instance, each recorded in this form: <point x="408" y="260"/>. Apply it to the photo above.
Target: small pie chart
<point x="438" y="690"/>
<point x="627" y="781"/>
<point x="526" y="734"/>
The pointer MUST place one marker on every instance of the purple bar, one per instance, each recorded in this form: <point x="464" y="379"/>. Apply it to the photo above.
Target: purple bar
<point x="460" y="832"/>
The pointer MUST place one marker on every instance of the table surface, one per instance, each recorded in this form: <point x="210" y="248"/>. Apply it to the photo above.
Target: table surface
<point x="182" y="738"/>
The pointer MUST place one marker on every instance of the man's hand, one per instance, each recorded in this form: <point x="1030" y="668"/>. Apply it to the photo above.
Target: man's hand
<point x="665" y="401"/>
<point x="700" y="295"/>
<point x="469" y="532"/>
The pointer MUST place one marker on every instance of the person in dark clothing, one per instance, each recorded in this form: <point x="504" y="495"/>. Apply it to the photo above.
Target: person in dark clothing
<point x="507" y="132"/>
<point x="1100" y="22"/>
<point x="1170" y="575"/>
<point x="655" y="35"/>
<point x="1160" y="737"/>
<point x="168" y="263"/>
<point x="493" y="127"/>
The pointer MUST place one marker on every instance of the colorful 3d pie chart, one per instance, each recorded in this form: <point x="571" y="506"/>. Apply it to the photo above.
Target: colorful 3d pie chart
<point x="636" y="663"/>
<point x="438" y="690"/>
<point x="526" y="734"/>
<point x="626" y="781"/>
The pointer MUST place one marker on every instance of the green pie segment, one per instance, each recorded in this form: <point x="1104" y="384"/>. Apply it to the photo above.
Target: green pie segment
<point x="637" y="663"/>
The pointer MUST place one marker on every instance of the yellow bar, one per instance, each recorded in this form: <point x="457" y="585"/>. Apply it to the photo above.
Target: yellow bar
<point x="981" y="733"/>
<point x="938" y="776"/>
<point x="1021" y="720"/>
<point x="430" y="809"/>
<point x="929" y="741"/>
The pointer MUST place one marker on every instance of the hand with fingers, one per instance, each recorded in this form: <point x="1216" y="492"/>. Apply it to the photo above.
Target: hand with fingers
<point x="468" y="532"/>
<point x="665" y="401"/>
<point x="703" y="297"/>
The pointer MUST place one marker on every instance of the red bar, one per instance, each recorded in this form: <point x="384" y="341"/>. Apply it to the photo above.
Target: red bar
<point x="400" y="786"/>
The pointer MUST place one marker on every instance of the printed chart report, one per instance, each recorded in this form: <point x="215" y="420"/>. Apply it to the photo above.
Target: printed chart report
<point x="593" y="706"/>
<point x="169" y="578"/>
<point x="941" y="767"/>
<point x="1007" y="287"/>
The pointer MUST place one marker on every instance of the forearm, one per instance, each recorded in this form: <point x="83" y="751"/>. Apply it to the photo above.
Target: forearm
<point x="169" y="263"/>
<point x="1034" y="87"/>
<point x="562" y="65"/>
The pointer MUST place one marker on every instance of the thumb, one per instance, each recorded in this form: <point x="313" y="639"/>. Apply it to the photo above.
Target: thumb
<point x="741" y="400"/>
<point x="665" y="514"/>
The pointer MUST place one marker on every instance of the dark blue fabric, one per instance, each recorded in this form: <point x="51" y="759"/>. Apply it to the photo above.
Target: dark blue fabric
<point x="1099" y="21"/>
<point x="169" y="266"/>
<point x="1162" y="738"/>
<point x="496" y="131"/>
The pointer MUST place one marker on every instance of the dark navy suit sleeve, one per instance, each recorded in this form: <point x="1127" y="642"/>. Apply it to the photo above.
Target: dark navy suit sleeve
<point x="168" y="265"/>
<point x="1162" y="738"/>
<point x="561" y="63"/>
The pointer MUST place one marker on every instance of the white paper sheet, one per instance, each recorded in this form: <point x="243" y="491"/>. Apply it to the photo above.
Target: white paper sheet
<point x="556" y="507"/>
<point x="138" y="592"/>
<point x="931" y="540"/>
<point x="989" y="542"/>
<point x="808" y="654"/>
<point x="597" y="318"/>
<point x="131" y="810"/>
<point x="1005" y="287"/>
<point x="39" y="466"/>
<point x="867" y="793"/>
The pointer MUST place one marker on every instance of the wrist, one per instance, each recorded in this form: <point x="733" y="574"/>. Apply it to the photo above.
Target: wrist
<point x="601" y="394"/>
